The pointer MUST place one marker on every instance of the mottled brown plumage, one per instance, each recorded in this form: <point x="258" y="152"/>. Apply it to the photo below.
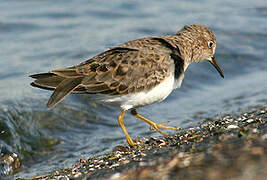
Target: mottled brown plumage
<point x="133" y="68"/>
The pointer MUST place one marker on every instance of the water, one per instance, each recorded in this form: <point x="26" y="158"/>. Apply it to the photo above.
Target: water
<point x="37" y="36"/>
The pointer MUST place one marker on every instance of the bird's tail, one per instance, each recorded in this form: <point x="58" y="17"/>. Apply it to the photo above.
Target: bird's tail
<point x="48" y="81"/>
<point x="62" y="86"/>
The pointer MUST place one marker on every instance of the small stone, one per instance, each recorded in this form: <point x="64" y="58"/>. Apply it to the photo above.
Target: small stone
<point x="250" y="120"/>
<point x="125" y="162"/>
<point x="232" y="127"/>
<point x="115" y="176"/>
<point x="255" y="130"/>
<point x="77" y="175"/>
<point x="186" y="162"/>
<point x="121" y="148"/>
<point x="142" y="154"/>
<point x="264" y="137"/>
<point x="82" y="161"/>
<point x="114" y="165"/>
<point x="63" y="178"/>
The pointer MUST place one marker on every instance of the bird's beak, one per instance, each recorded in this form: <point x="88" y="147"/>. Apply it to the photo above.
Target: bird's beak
<point x="214" y="63"/>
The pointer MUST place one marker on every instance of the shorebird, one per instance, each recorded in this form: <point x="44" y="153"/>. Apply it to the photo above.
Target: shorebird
<point x="134" y="74"/>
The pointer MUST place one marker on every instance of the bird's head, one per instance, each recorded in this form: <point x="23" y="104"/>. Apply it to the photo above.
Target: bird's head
<point x="200" y="43"/>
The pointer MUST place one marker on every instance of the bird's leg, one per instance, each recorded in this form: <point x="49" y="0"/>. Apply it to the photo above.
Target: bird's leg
<point x="152" y="124"/>
<point x="120" y="120"/>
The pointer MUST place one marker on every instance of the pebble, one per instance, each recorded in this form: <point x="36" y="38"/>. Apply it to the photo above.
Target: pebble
<point x="255" y="130"/>
<point x="63" y="178"/>
<point x="77" y="175"/>
<point x="250" y="120"/>
<point x="264" y="136"/>
<point x="232" y="126"/>
<point x="114" y="165"/>
<point x="115" y="176"/>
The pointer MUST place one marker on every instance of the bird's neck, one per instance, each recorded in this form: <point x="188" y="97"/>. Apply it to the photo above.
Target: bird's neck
<point x="183" y="47"/>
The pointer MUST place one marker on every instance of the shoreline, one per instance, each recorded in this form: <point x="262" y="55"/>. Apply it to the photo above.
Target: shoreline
<point x="232" y="146"/>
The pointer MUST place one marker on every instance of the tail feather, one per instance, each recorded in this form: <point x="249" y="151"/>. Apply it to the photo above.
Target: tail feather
<point x="62" y="86"/>
<point x="46" y="80"/>
<point x="62" y="90"/>
<point x="42" y="75"/>
<point x="42" y="87"/>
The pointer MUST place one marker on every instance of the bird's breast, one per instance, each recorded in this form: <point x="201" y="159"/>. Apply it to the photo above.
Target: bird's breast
<point x="146" y="97"/>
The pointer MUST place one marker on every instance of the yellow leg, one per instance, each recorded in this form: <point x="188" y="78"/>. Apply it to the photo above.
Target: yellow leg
<point x="152" y="124"/>
<point x="120" y="120"/>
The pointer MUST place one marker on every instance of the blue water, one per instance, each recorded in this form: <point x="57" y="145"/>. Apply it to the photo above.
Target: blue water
<point x="37" y="36"/>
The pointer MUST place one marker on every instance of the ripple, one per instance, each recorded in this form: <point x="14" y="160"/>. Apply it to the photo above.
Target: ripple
<point x="261" y="10"/>
<point x="17" y="27"/>
<point x="53" y="15"/>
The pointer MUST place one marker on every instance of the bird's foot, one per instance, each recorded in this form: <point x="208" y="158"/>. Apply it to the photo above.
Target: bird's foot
<point x="131" y="142"/>
<point x="157" y="127"/>
<point x="152" y="124"/>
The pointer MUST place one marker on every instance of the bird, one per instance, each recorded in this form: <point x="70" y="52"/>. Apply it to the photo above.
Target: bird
<point x="134" y="74"/>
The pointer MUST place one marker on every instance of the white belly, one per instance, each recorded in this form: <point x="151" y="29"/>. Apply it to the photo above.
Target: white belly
<point x="157" y="94"/>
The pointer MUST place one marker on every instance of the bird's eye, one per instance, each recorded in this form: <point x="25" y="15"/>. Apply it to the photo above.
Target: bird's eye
<point x="210" y="43"/>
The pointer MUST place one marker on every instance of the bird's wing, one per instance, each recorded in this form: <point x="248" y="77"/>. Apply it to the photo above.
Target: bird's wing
<point x="124" y="70"/>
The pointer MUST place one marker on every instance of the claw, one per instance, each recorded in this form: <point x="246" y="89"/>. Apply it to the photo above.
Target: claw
<point x="162" y="126"/>
<point x="157" y="127"/>
<point x="153" y="125"/>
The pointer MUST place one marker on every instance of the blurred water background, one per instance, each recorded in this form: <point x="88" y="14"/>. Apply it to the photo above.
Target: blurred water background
<point x="37" y="36"/>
